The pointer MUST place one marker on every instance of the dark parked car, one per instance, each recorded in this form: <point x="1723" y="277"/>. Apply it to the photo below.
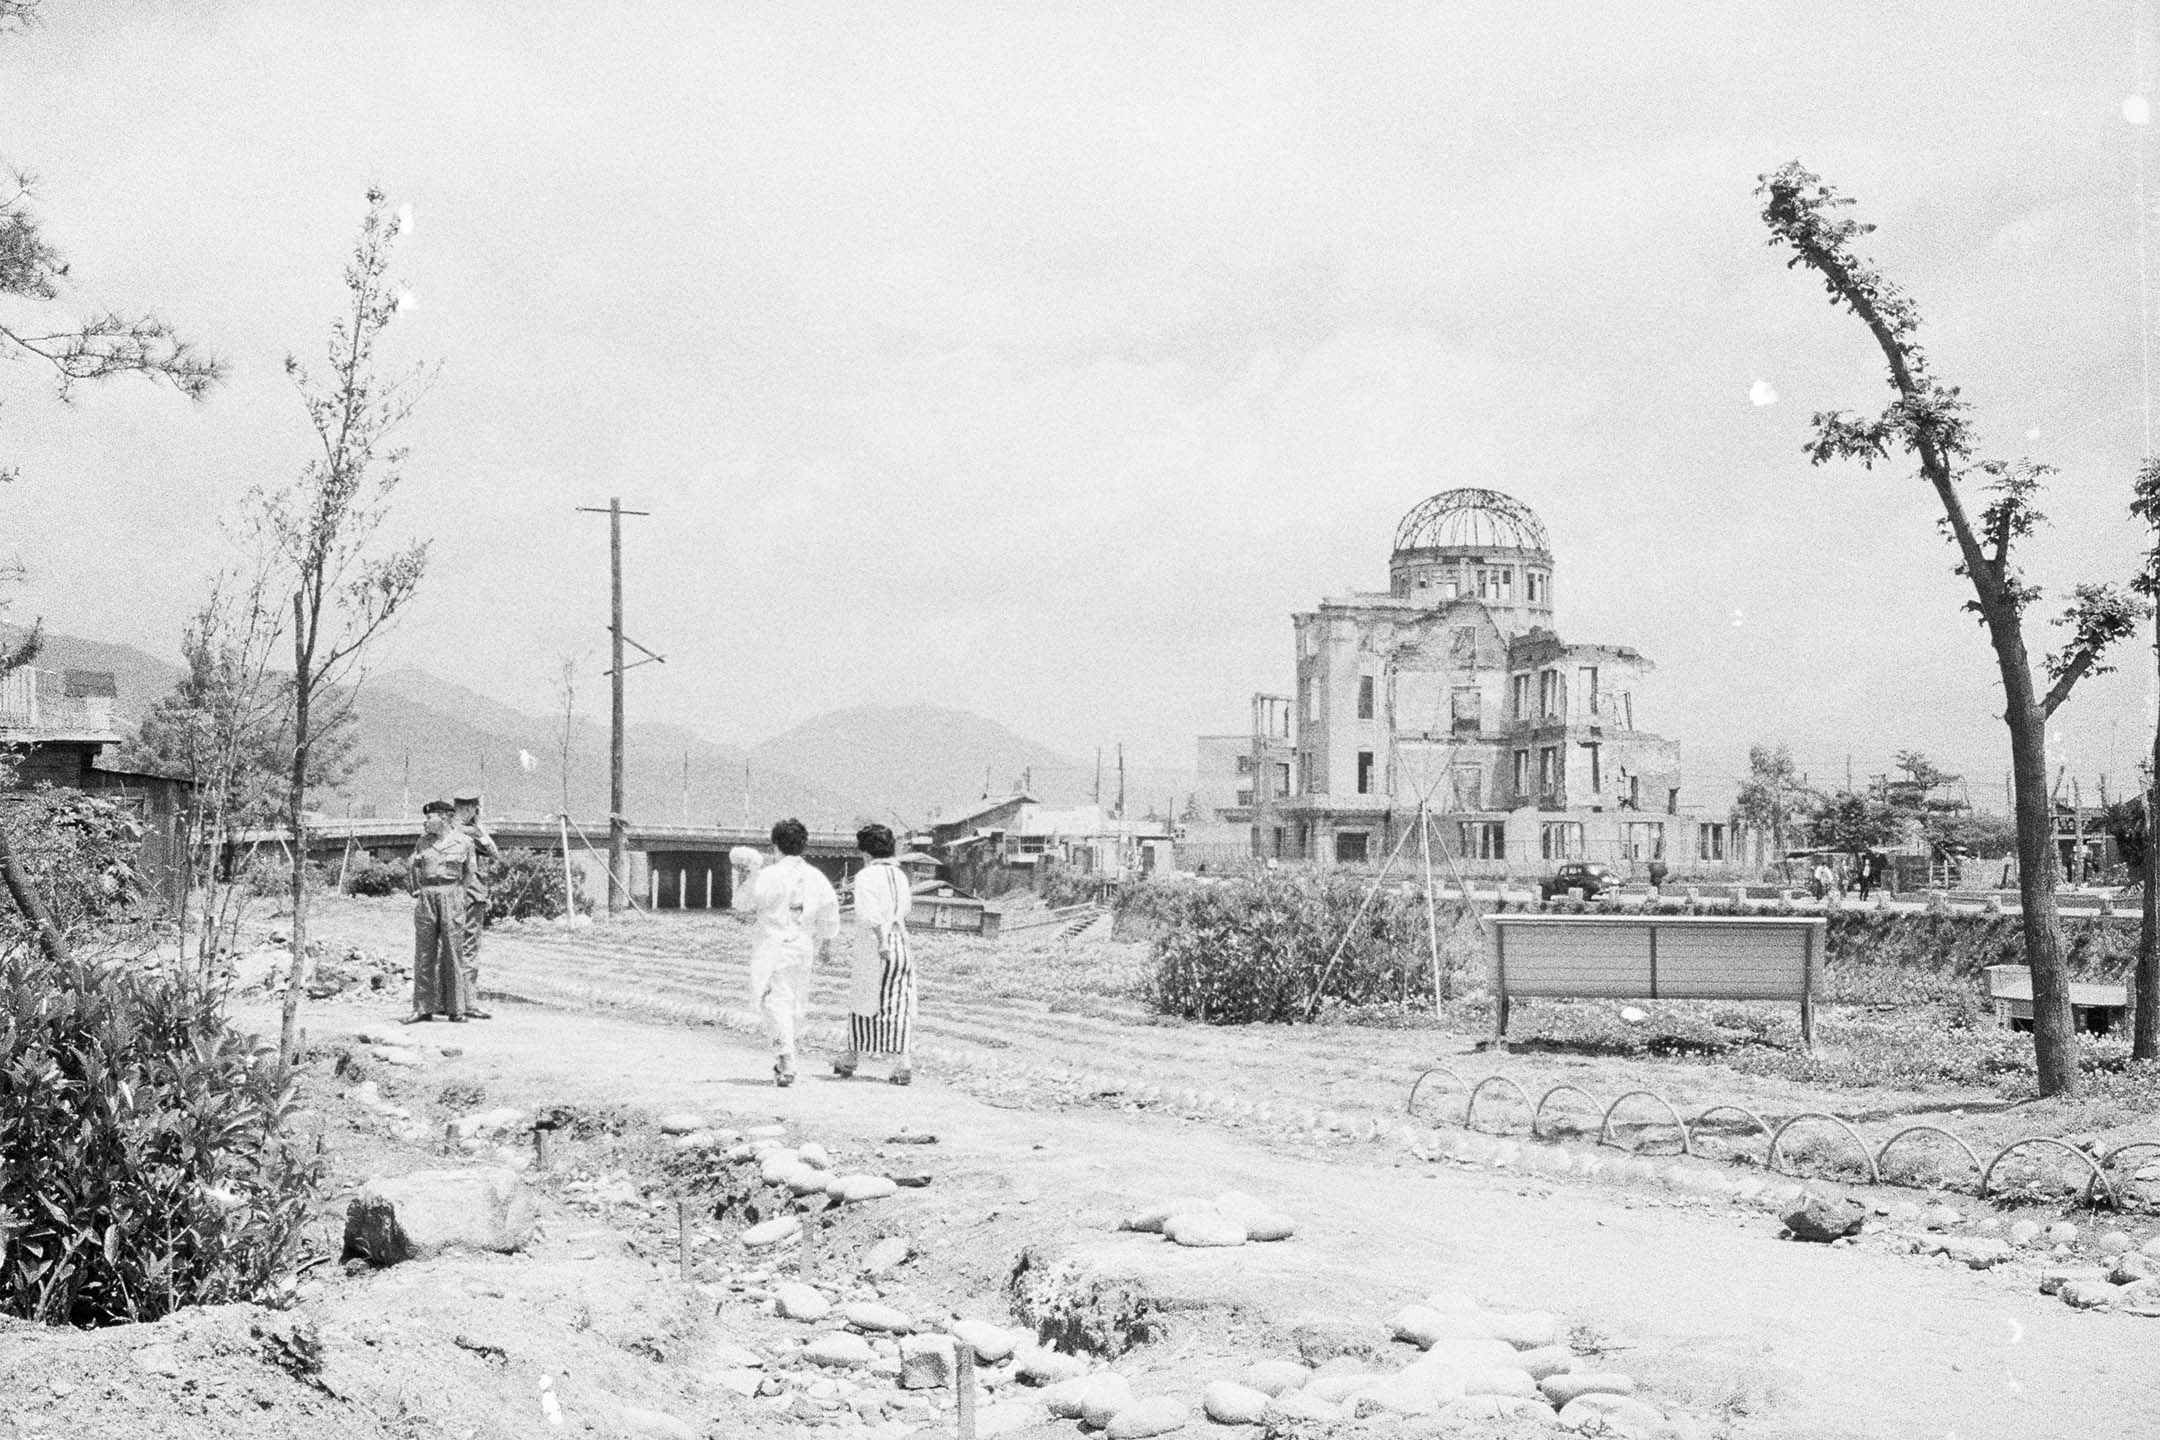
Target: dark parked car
<point x="1585" y="875"/>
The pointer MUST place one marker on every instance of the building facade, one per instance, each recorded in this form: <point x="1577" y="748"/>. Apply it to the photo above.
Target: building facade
<point x="1451" y="695"/>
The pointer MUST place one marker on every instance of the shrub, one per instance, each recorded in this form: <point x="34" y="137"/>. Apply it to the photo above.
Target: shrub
<point x="143" y="1160"/>
<point x="1260" y="946"/>
<point x="370" y="876"/>
<point x="528" y="885"/>
<point x="77" y="851"/>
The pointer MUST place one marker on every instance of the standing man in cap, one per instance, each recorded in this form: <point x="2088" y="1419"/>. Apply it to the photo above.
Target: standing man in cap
<point x="440" y="868"/>
<point x="467" y="818"/>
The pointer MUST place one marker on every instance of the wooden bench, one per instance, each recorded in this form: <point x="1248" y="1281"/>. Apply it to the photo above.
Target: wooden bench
<point x="2097" y="1009"/>
<point x="1658" y="957"/>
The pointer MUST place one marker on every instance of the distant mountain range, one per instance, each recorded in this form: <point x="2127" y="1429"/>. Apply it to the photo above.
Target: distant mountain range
<point x="422" y="736"/>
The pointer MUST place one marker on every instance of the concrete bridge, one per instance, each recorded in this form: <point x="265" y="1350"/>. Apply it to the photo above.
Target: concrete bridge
<point x="672" y="867"/>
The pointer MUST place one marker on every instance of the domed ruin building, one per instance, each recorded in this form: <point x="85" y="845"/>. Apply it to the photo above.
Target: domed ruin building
<point x="1454" y="689"/>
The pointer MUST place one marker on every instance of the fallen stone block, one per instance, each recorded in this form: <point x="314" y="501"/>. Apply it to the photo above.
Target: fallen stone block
<point x="418" y="1216"/>
<point x="990" y="1343"/>
<point x="1272" y="1377"/>
<point x="1156" y="1415"/>
<point x="926" y="1362"/>
<point x="1615" y="1415"/>
<point x="682" y="1122"/>
<point x="1486" y="1410"/>
<point x="1562" y="1390"/>
<point x="797" y="1301"/>
<point x="1204" y="1230"/>
<point x="886" y="1256"/>
<point x="1102" y="1400"/>
<point x="839" y="1350"/>
<point x="1226" y="1402"/>
<point x="1823" y="1218"/>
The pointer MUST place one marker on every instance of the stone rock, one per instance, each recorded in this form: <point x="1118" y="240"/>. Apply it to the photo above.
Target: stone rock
<point x="2062" y="1232"/>
<point x="804" y="1179"/>
<point x="990" y="1343"/>
<point x="418" y="1216"/>
<point x="2151" y="1247"/>
<point x="839" y="1351"/>
<point x="682" y="1122"/>
<point x="765" y="1132"/>
<point x="740" y="1379"/>
<point x="772" y="1232"/>
<point x="1403" y="1393"/>
<point x="1049" y="1367"/>
<point x="1529" y="1330"/>
<point x="1501" y="1380"/>
<point x="2131" y="1266"/>
<point x="2139" y="1297"/>
<point x="2023" y="1232"/>
<point x="881" y="1318"/>
<point x="1425" y="1327"/>
<point x="1338" y="1387"/>
<point x="400" y="1055"/>
<point x="1269" y="1225"/>
<point x="1977" y="1251"/>
<point x="1099" y="1405"/>
<point x="926" y="1362"/>
<point x="1292" y="1406"/>
<point x="1322" y="1339"/>
<point x="854" y="1189"/>
<point x="2052" y="1280"/>
<point x="798" y="1301"/>
<point x="1272" y="1377"/>
<point x="728" y="1353"/>
<point x="1461" y="1357"/>
<point x="1149" y="1219"/>
<point x="1563" y="1389"/>
<point x="1474" y="1413"/>
<point x="1824" y="1218"/>
<point x="489" y="1123"/>
<point x="1204" y="1230"/>
<point x="1228" y="1403"/>
<point x="656" y="1423"/>
<point x="1939" y="1217"/>
<point x="2088" y="1294"/>
<point x="1546" y="1360"/>
<point x="1615" y="1415"/>
<point x="777" y="1166"/>
<point x="1156" y="1415"/>
<point x="2112" y="1242"/>
<point x="812" y="1153"/>
<point x="886" y="1256"/>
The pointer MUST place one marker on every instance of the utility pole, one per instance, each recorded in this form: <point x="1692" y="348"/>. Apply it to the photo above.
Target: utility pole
<point x="1848" y="772"/>
<point x="618" y="824"/>
<point x="1098" y="777"/>
<point x="686" y="785"/>
<point x="1121" y="780"/>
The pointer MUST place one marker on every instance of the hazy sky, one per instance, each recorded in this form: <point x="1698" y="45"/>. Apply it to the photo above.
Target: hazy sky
<point x="1042" y="359"/>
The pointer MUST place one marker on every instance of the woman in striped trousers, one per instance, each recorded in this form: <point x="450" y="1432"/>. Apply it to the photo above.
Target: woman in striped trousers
<point x="881" y="972"/>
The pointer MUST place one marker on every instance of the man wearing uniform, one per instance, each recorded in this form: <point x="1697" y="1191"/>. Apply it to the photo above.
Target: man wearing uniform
<point x="440" y="869"/>
<point x="466" y="816"/>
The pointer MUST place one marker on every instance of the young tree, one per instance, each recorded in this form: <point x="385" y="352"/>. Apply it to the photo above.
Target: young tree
<point x="566" y="723"/>
<point x="1927" y="420"/>
<point x="1851" y="823"/>
<point x="322" y="533"/>
<point x="1773" y="796"/>
<point x="2145" y="1022"/>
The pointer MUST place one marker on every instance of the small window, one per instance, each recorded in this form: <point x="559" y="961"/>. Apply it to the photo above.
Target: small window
<point x="1350" y="847"/>
<point x="1550" y="771"/>
<point x="1364" y="697"/>
<point x="1644" y="840"/>
<point x="1364" y="772"/>
<point x="1244" y="795"/>
<point x="1282" y="777"/>
<point x="1244" y="764"/>
<point x="1466" y="704"/>
<point x="1597" y="778"/>
<point x="1710" y="842"/>
<point x="1482" y="839"/>
<point x="1552" y="693"/>
<point x="1537" y="587"/>
<point x="1586" y="691"/>
<point x="1561" y="839"/>
<point x="1522" y="774"/>
<point x="1522" y="697"/>
<point x="1311" y="694"/>
<point x="1462" y="646"/>
<point x="1468" y="785"/>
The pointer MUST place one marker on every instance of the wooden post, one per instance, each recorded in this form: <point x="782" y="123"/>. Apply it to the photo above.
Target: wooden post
<point x="964" y="1386"/>
<point x="540" y="1146"/>
<point x="1807" y="992"/>
<point x="569" y="882"/>
<point x="1500" y="995"/>
<point x="682" y="1239"/>
<point x="1432" y="922"/>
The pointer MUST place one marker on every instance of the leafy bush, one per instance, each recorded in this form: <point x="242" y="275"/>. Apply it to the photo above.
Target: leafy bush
<point x="370" y="876"/>
<point x="78" y="852"/>
<point x="528" y="885"/>
<point x="1259" y="947"/>
<point x="143" y="1160"/>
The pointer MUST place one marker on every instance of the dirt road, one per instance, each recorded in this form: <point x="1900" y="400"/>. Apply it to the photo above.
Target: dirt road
<point x="1702" y="1303"/>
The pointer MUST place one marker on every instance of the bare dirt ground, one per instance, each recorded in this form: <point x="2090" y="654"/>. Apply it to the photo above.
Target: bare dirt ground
<point x="1059" y="1106"/>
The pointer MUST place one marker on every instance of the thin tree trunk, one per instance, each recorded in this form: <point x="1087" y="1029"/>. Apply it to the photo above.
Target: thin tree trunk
<point x="27" y="900"/>
<point x="296" y="798"/>
<point x="2145" y="1021"/>
<point x="2054" y="1044"/>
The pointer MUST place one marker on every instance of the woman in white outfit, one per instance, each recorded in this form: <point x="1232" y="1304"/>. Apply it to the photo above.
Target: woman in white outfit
<point x="797" y="917"/>
<point x="881" y="972"/>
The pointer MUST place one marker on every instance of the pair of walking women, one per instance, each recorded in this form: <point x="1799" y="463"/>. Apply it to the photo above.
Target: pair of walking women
<point x="798" y="919"/>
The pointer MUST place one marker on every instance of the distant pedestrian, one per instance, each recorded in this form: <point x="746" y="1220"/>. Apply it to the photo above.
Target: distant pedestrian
<point x="1825" y="879"/>
<point x="466" y="816"/>
<point x="881" y="970"/>
<point x="1864" y="873"/>
<point x="439" y="869"/>
<point x="797" y="917"/>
